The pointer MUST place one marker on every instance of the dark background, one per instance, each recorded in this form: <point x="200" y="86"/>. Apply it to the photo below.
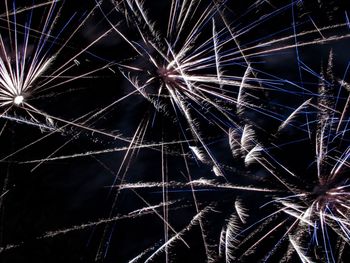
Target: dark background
<point x="66" y="193"/>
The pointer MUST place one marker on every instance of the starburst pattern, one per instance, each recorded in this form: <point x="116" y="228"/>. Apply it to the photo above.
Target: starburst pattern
<point x="311" y="217"/>
<point x="174" y="131"/>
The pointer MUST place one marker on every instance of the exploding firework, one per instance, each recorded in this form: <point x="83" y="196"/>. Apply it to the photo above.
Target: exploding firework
<point x="39" y="59"/>
<point x="208" y="70"/>
<point x="310" y="215"/>
<point x="198" y="69"/>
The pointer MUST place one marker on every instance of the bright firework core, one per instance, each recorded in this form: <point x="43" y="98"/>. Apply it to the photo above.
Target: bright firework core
<point x="167" y="75"/>
<point x="18" y="99"/>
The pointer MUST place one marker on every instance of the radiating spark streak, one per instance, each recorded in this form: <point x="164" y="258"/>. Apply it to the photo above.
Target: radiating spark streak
<point x="70" y="79"/>
<point x="181" y="67"/>
<point x="189" y="118"/>
<point x="142" y="13"/>
<point x="194" y="221"/>
<point x="17" y="81"/>
<point x="132" y="215"/>
<point x="3" y="127"/>
<point x="294" y="114"/>
<point x="267" y="234"/>
<point x="145" y="252"/>
<point x="243" y="85"/>
<point x="299" y="62"/>
<point x="8" y="23"/>
<point x="51" y="154"/>
<point x="343" y="113"/>
<point x="204" y="18"/>
<point x="61" y="69"/>
<point x="300" y="44"/>
<point x="194" y="183"/>
<point x="75" y="124"/>
<point x="282" y="39"/>
<point x="77" y="29"/>
<point x="42" y="138"/>
<point x="116" y="30"/>
<point x="178" y="65"/>
<point x="313" y="22"/>
<point x="270" y="168"/>
<point x="28" y="122"/>
<point x="24" y="9"/>
<point x="249" y="69"/>
<point x="153" y="208"/>
<point x="165" y="200"/>
<point x="164" y="221"/>
<point x="191" y="92"/>
<point x="28" y="29"/>
<point x="298" y="217"/>
<point x="112" y="150"/>
<point x="195" y="201"/>
<point x="3" y="194"/>
<point x="263" y="19"/>
<point x="284" y="198"/>
<point x="217" y="56"/>
<point x="185" y="111"/>
<point x="102" y="250"/>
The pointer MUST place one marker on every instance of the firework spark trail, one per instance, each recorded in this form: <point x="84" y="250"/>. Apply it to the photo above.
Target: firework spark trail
<point x="298" y="58"/>
<point x="201" y="183"/>
<point x="145" y="252"/>
<point x="132" y="215"/>
<point x="196" y="203"/>
<point x="104" y="151"/>
<point x="24" y="9"/>
<point x="179" y="235"/>
<point x="42" y="126"/>
<point x="60" y="129"/>
<point x="165" y="197"/>
<point x="300" y="251"/>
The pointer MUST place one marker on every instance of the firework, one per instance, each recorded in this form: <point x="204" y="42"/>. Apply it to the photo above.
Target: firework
<point x="33" y="59"/>
<point x="310" y="220"/>
<point x="195" y="71"/>
<point x="190" y="77"/>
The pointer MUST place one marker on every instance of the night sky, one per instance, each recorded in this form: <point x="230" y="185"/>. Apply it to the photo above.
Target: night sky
<point x="74" y="155"/>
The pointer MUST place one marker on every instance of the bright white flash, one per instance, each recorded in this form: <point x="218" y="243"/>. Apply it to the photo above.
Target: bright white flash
<point x="18" y="99"/>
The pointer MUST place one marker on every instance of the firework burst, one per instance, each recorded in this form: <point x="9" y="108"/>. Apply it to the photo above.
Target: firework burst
<point x="195" y="71"/>
<point x="33" y="58"/>
<point x="311" y="219"/>
<point x="184" y="73"/>
<point x="205" y="72"/>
